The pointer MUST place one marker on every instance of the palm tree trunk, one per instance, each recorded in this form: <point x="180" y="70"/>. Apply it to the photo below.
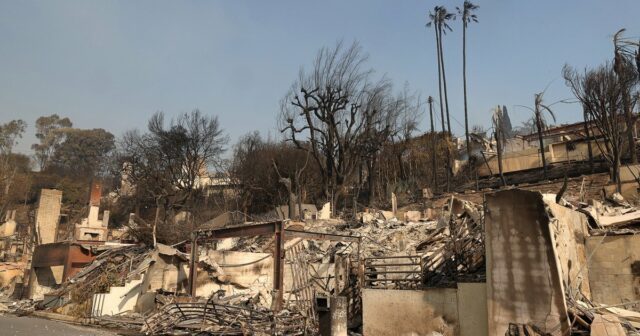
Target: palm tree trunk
<point x="440" y="79"/>
<point x="444" y="130"/>
<point x="464" y="83"/>
<point x="444" y="84"/>
<point x="433" y="148"/>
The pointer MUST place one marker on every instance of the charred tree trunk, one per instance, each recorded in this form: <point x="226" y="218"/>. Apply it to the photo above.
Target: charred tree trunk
<point x="630" y="126"/>
<point x="588" y="137"/>
<point x="540" y="142"/>
<point x="616" y="169"/>
<point x="371" y="178"/>
<point x="444" y="82"/>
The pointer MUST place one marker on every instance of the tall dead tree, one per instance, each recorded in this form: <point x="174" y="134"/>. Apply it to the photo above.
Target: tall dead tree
<point x="337" y="110"/>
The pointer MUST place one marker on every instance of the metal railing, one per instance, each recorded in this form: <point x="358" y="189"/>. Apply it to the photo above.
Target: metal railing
<point x="393" y="272"/>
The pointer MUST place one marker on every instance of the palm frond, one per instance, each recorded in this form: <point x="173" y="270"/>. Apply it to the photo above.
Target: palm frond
<point x="545" y="107"/>
<point x="466" y="12"/>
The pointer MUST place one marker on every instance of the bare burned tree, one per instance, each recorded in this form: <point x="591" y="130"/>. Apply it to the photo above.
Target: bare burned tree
<point x="406" y="110"/>
<point x="336" y="111"/>
<point x="260" y="187"/>
<point x="601" y="94"/>
<point x="400" y="117"/>
<point x="172" y="162"/>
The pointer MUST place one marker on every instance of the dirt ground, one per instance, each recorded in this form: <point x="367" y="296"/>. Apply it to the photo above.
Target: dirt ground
<point x="13" y="325"/>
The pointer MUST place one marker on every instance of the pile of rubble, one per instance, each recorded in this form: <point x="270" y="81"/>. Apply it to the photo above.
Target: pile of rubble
<point x="526" y="252"/>
<point x="614" y="215"/>
<point x="214" y="317"/>
<point x="114" y="267"/>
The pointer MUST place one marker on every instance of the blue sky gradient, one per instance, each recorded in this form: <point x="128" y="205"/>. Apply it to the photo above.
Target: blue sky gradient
<point x="112" y="64"/>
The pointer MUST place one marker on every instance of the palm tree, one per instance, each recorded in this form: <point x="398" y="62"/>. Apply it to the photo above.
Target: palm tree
<point x="433" y="20"/>
<point x="439" y="19"/>
<point x="443" y="25"/>
<point x="466" y="12"/>
<point x="623" y="61"/>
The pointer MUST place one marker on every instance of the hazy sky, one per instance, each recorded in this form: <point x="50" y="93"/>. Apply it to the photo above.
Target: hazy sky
<point x="112" y="64"/>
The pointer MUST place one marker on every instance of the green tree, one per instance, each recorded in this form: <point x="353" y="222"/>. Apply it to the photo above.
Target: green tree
<point x="84" y="152"/>
<point x="49" y="130"/>
<point x="9" y="162"/>
<point x="9" y="134"/>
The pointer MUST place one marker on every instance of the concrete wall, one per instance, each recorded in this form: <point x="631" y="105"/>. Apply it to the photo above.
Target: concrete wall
<point x="629" y="186"/>
<point x="614" y="269"/>
<point x="530" y="158"/>
<point x="629" y="173"/>
<point x="524" y="282"/>
<point x="47" y="215"/>
<point x="449" y="311"/>
<point x="409" y="312"/>
<point x="472" y="309"/>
